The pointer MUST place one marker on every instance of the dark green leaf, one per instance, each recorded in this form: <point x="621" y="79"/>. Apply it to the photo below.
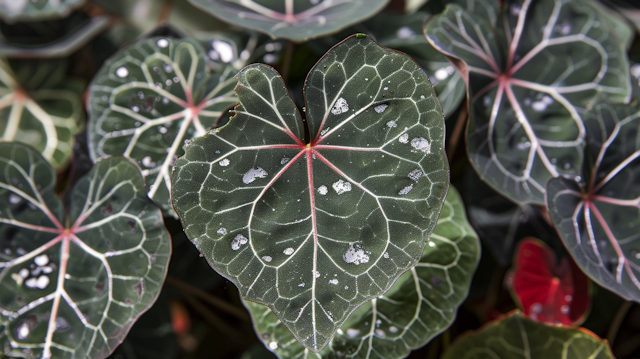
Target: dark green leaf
<point x="148" y="100"/>
<point x="313" y="231"/>
<point x="598" y="217"/>
<point x="516" y="337"/>
<point x="72" y="284"/>
<point x="38" y="109"/>
<point x="295" y="20"/>
<point x="33" y="10"/>
<point x="531" y="74"/>
<point x="421" y="304"/>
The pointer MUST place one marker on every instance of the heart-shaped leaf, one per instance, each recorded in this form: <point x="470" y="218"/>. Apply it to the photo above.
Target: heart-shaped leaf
<point x="530" y="75"/>
<point x="421" y="304"/>
<point x="404" y="33"/>
<point x="72" y="284"/>
<point x="39" y="109"/>
<point x="52" y="38"/>
<point x="148" y="100"/>
<point x="515" y="336"/>
<point x="548" y="291"/>
<point x="295" y="20"/>
<point x="30" y="10"/>
<point x="315" y="230"/>
<point x="598" y="218"/>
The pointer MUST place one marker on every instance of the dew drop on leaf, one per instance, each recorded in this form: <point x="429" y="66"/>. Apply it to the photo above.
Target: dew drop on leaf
<point x="167" y="68"/>
<point x="270" y="58"/>
<point x="405" y="32"/>
<point x="273" y="345"/>
<point x="23" y="331"/>
<point x="289" y="251"/>
<point x="14" y="198"/>
<point x="238" y="241"/>
<point x="222" y="231"/>
<point x="340" y="106"/>
<point x="421" y="144"/>
<point x="393" y="329"/>
<point x="224" y="50"/>
<point x="225" y="162"/>
<point x="415" y="175"/>
<point x="162" y="43"/>
<point x="341" y="187"/>
<point x="431" y="244"/>
<point x="41" y="260"/>
<point x="356" y="254"/>
<point x="392" y="124"/>
<point x="323" y="190"/>
<point x="536" y="308"/>
<point x="333" y="281"/>
<point x="61" y="325"/>
<point x="252" y="174"/>
<point x="266" y="259"/>
<point x="352" y="333"/>
<point x="404" y="138"/>
<point x="381" y="108"/>
<point x="406" y="190"/>
<point x="564" y="309"/>
<point x="380" y="333"/>
<point x="122" y="72"/>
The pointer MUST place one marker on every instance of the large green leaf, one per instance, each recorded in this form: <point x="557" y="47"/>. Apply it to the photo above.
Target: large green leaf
<point x="404" y="33"/>
<point x="33" y="10"/>
<point x="149" y="99"/>
<point x="530" y="76"/>
<point x="516" y="337"/>
<point x="420" y="305"/>
<point x="295" y="20"/>
<point x="315" y="230"/>
<point x="39" y="109"/>
<point x="72" y="283"/>
<point x="598" y="216"/>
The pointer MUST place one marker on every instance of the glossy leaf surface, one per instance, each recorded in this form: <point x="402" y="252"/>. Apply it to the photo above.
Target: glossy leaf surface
<point x="404" y="33"/>
<point x="547" y="290"/>
<point x="313" y="231"/>
<point x="598" y="218"/>
<point x="421" y="304"/>
<point x="29" y="10"/>
<point x="39" y="109"/>
<point x="73" y="282"/>
<point x="295" y="20"/>
<point x="530" y="76"/>
<point x="148" y="100"/>
<point x="516" y="337"/>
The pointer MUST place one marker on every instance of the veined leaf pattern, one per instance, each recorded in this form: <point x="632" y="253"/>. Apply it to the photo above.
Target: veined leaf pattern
<point x="421" y="304"/>
<point x="530" y="76"/>
<point x="147" y="101"/>
<point x="598" y="218"/>
<point x="30" y="10"/>
<point x="315" y="230"/>
<point x="46" y="116"/>
<point x="295" y="20"/>
<point x="72" y="284"/>
<point x="515" y="336"/>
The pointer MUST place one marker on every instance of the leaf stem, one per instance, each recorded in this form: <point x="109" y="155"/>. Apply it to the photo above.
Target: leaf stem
<point x="165" y="10"/>
<point x="288" y="55"/>
<point x="214" y="301"/>
<point x="617" y="322"/>
<point x="457" y="132"/>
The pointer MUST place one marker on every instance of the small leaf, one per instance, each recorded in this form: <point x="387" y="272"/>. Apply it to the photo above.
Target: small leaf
<point x="530" y="76"/>
<point x="29" y="10"/>
<point x="295" y="20"/>
<point x="315" y="230"/>
<point x="420" y="305"/>
<point x="148" y="100"/>
<point x="548" y="291"/>
<point x="45" y="114"/>
<point x="72" y="284"/>
<point x="514" y="336"/>
<point x="597" y="215"/>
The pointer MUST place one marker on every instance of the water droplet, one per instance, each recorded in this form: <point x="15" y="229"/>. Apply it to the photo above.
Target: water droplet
<point x="443" y="73"/>
<point x="14" y="198"/>
<point x="168" y="83"/>
<point x="486" y="101"/>
<point x="176" y="79"/>
<point x="514" y="9"/>
<point x="61" y="325"/>
<point x="564" y="28"/>
<point x="539" y="106"/>
<point x="536" y="308"/>
<point x="135" y="108"/>
<point x="301" y="285"/>
<point x="523" y="146"/>
<point x="162" y="130"/>
<point x="104" y="98"/>
<point x="404" y="138"/>
<point x="564" y="309"/>
<point x="393" y="329"/>
<point x="24" y="273"/>
<point x="273" y="345"/>
<point x="167" y="68"/>
<point x="386" y="255"/>
<point x="385" y="88"/>
<point x="224" y="50"/>
<point x="431" y="244"/>
<point x="122" y="72"/>
<point x="406" y="190"/>
<point x="568" y="297"/>
<point x="381" y="108"/>
<point x="23" y="331"/>
<point x="323" y="190"/>
<point x="147" y="162"/>
<point x="317" y="274"/>
<point x="267" y="259"/>
<point x="165" y="100"/>
<point x="405" y="33"/>
<point x="162" y="43"/>
<point x="415" y="175"/>
<point x="222" y="231"/>
<point x="238" y="241"/>
<point x="352" y="333"/>
<point x="567" y="165"/>
<point x="341" y="187"/>
<point x="356" y="254"/>
<point x="289" y="251"/>
<point x="340" y="106"/>
<point x="380" y="333"/>
<point x="270" y="58"/>
<point x="225" y="162"/>
<point x="252" y="174"/>
<point x="421" y="144"/>
<point x="41" y="260"/>
<point x="333" y="281"/>
<point x="392" y="124"/>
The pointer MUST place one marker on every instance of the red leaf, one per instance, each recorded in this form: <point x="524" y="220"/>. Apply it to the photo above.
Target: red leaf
<point x="548" y="291"/>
